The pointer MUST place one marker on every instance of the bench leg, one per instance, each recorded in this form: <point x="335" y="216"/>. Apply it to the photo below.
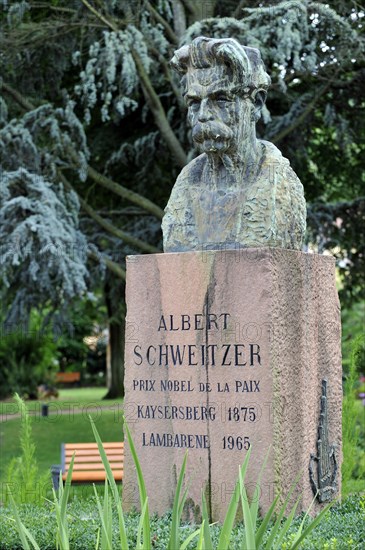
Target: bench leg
<point x="55" y="472"/>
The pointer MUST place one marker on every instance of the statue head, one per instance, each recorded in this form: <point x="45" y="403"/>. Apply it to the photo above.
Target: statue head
<point x="225" y="86"/>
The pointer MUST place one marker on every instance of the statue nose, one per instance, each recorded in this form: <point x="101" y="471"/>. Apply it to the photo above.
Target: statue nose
<point x="205" y="111"/>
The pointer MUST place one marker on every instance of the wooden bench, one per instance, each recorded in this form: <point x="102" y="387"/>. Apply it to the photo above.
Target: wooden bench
<point x="68" y="377"/>
<point x="88" y="465"/>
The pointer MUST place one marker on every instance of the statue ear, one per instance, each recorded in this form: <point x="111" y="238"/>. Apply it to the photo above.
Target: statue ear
<point x="259" y="98"/>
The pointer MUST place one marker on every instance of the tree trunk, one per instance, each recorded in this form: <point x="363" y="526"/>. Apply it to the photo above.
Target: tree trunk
<point x="114" y="299"/>
<point x="158" y="112"/>
<point x="199" y="10"/>
<point x="115" y="361"/>
<point x="179" y="18"/>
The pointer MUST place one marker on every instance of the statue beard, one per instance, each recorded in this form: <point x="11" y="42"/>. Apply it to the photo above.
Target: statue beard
<point x="212" y="137"/>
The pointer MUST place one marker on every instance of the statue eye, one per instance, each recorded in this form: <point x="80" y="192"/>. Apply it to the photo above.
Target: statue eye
<point x="193" y="102"/>
<point x="223" y="99"/>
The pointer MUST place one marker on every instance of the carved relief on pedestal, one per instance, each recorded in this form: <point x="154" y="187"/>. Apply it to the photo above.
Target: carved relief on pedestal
<point x="323" y="482"/>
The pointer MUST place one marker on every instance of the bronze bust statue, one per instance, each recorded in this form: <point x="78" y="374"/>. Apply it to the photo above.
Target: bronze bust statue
<point x="240" y="191"/>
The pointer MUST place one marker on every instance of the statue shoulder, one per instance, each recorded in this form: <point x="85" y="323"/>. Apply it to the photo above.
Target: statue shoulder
<point x="178" y="221"/>
<point x="277" y="165"/>
<point x="191" y="173"/>
<point x="272" y="153"/>
<point x="288" y="193"/>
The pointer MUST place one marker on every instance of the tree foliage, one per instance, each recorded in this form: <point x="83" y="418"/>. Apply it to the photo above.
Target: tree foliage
<point x="34" y="254"/>
<point x="91" y="113"/>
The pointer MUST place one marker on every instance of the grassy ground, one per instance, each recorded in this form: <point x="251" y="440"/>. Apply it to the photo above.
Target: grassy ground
<point x="342" y="528"/>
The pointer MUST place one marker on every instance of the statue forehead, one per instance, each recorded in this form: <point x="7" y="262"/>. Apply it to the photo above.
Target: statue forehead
<point x="212" y="77"/>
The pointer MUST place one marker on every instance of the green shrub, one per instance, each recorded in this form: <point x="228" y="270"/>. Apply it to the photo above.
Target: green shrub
<point x="27" y="358"/>
<point x="353" y="464"/>
<point x="75" y="351"/>
<point x="352" y="320"/>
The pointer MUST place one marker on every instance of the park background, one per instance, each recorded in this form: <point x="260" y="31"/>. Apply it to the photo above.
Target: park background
<point x="93" y="134"/>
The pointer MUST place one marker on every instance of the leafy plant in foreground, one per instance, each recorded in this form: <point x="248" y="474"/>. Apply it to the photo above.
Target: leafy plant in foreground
<point x="23" y="481"/>
<point x="254" y="537"/>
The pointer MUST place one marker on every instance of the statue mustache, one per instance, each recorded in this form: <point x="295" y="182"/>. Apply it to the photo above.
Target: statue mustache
<point x="212" y="130"/>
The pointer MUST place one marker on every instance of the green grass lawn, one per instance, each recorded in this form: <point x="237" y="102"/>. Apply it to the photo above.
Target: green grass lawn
<point x="352" y="487"/>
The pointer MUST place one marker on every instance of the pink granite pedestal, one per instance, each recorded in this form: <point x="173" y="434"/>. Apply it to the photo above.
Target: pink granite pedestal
<point x="226" y="349"/>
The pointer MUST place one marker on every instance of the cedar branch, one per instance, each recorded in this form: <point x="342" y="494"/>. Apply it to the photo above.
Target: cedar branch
<point x="19" y="98"/>
<point x="116" y="188"/>
<point x="158" y="112"/>
<point x="43" y="5"/>
<point x="170" y="33"/>
<point x="239" y="9"/>
<point x="112" y="266"/>
<point x="122" y="235"/>
<point x="97" y="14"/>
<point x="167" y="71"/>
<point x="127" y="194"/>
<point x="189" y="6"/>
<point x="303" y="115"/>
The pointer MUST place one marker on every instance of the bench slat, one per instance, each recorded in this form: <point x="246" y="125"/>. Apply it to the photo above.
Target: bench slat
<point x="118" y="445"/>
<point x="92" y="467"/>
<point x="65" y="377"/>
<point x="94" y="476"/>
<point x="92" y="452"/>
<point x="92" y="460"/>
